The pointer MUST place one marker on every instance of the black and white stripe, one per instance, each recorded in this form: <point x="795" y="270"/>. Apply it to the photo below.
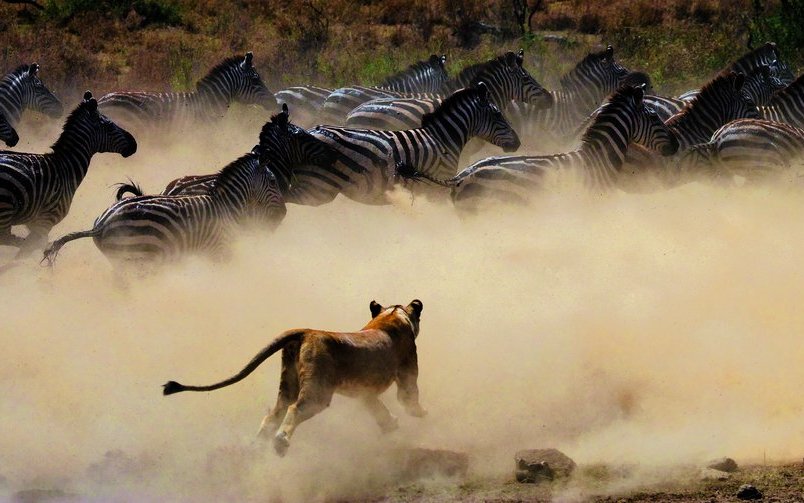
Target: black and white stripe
<point x="595" y="165"/>
<point x="750" y="148"/>
<point x="787" y="105"/>
<point x="506" y="78"/>
<point x="163" y="228"/>
<point x="426" y="76"/>
<point x="36" y="190"/>
<point x="23" y="89"/>
<point x="233" y="80"/>
<point x="8" y="134"/>
<point x="367" y="159"/>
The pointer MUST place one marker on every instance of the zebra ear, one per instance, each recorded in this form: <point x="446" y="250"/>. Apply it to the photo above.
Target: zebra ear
<point x="247" y="62"/>
<point x="443" y="59"/>
<point x="375" y="308"/>
<point x="511" y="59"/>
<point x="520" y="57"/>
<point x="738" y="79"/>
<point x="33" y="69"/>
<point x="609" y="52"/>
<point x="285" y="108"/>
<point x="639" y="94"/>
<point x="484" y="91"/>
<point x="87" y="95"/>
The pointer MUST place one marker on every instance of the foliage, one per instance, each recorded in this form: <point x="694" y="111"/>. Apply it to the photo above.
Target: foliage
<point x="783" y="24"/>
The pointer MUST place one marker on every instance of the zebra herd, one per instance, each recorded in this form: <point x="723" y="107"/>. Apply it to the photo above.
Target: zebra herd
<point x="601" y="124"/>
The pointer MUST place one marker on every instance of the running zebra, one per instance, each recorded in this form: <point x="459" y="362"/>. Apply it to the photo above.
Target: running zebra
<point x="750" y="148"/>
<point x="505" y="76"/>
<point x="8" y="134"/>
<point x="787" y="105"/>
<point x="595" y="165"/>
<point x="23" y="89"/>
<point x="720" y="101"/>
<point x="164" y="228"/>
<point x="36" y="190"/>
<point x="233" y="80"/>
<point x="367" y="159"/>
<point x="426" y="76"/>
<point x="283" y="148"/>
<point x="766" y="54"/>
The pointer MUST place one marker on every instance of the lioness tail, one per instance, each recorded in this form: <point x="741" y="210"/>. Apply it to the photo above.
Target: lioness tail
<point x="280" y="342"/>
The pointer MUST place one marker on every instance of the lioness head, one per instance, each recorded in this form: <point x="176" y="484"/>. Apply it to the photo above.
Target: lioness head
<point x="410" y="314"/>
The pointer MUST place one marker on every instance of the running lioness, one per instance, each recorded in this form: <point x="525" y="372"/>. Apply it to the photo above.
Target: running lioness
<point x="316" y="364"/>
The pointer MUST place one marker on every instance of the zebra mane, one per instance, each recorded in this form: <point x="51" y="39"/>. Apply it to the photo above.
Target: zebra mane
<point x="589" y="60"/>
<point x="82" y="110"/>
<point x="796" y="88"/>
<point x="232" y="171"/>
<point x="433" y="62"/>
<point x="471" y="72"/>
<point x="618" y="99"/>
<point x="453" y="101"/>
<point x="709" y="93"/>
<point x="218" y="69"/>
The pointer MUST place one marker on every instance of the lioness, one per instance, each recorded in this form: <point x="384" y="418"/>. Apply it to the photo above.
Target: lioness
<point x="316" y="364"/>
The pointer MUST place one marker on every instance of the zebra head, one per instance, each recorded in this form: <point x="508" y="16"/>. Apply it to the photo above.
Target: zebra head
<point x="637" y="79"/>
<point x="99" y="131"/>
<point x="766" y="54"/>
<point x="289" y="146"/>
<point x="763" y="83"/>
<point x="236" y="79"/>
<point x="649" y="129"/>
<point x="38" y="97"/>
<point x="595" y="77"/>
<point x="7" y="133"/>
<point x="509" y="81"/>
<point x="486" y="120"/>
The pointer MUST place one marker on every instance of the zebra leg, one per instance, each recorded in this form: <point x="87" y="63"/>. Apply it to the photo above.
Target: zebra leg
<point x="387" y="421"/>
<point x="288" y="392"/>
<point x="9" y="239"/>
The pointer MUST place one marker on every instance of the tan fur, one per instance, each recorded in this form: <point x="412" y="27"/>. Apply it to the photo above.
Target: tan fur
<point x="316" y="364"/>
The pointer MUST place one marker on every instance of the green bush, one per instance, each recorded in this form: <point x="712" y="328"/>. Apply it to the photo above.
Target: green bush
<point x="164" y="12"/>
<point x="783" y="25"/>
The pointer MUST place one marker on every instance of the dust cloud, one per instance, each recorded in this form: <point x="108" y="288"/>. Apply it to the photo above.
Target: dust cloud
<point x="651" y="330"/>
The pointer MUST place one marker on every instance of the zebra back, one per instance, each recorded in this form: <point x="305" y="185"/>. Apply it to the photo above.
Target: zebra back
<point x="427" y="76"/>
<point x="787" y="105"/>
<point x="23" y="89"/>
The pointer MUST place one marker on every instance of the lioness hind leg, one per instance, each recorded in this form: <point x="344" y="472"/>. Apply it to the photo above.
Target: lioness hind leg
<point x="307" y="406"/>
<point x="387" y="421"/>
<point x="288" y="393"/>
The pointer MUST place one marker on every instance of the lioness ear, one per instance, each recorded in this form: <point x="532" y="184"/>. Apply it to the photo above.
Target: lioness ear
<point x="417" y="306"/>
<point x="375" y="308"/>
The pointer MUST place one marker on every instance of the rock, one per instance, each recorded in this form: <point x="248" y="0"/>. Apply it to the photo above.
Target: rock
<point x="537" y="465"/>
<point x="423" y="463"/>
<point x="749" y="492"/>
<point x="723" y="464"/>
<point x="712" y="474"/>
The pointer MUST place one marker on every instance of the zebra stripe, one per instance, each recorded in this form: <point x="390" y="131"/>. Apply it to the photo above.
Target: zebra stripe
<point x="426" y="76"/>
<point x="36" y="190"/>
<point x="22" y="89"/>
<point x="283" y="147"/>
<point x="787" y="105"/>
<point x="596" y="164"/>
<point x="233" y="80"/>
<point x="8" y="134"/>
<point x="505" y="77"/>
<point x="751" y="148"/>
<point x="162" y="228"/>
<point x="367" y="159"/>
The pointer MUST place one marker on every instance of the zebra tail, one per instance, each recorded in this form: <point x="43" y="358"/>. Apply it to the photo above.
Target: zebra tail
<point x="127" y="188"/>
<point x="52" y="251"/>
<point x="280" y="342"/>
<point x="407" y="172"/>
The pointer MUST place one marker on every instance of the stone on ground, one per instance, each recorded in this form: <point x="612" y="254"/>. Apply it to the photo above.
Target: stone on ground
<point x="749" y="492"/>
<point x="537" y="465"/>
<point x="723" y="464"/>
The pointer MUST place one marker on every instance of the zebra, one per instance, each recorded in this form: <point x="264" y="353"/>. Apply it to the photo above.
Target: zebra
<point x="8" y="134"/>
<point x="36" y="190"/>
<point x="625" y="118"/>
<point x="720" y="101"/>
<point x="283" y="147"/>
<point x="162" y="228"/>
<point x="787" y="105"/>
<point x="766" y="54"/>
<point x="233" y="80"/>
<point x="505" y="76"/>
<point x="750" y="148"/>
<point x="426" y="76"/>
<point x="367" y="159"/>
<point x="23" y="89"/>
